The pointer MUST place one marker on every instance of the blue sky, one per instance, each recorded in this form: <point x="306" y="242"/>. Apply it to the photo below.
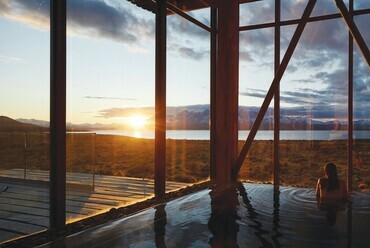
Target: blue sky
<point x="110" y="60"/>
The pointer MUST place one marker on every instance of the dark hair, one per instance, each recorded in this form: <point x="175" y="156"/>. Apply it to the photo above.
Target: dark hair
<point x="331" y="172"/>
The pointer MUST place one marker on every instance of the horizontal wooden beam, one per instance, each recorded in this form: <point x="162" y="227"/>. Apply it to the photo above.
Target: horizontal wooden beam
<point x="297" y="21"/>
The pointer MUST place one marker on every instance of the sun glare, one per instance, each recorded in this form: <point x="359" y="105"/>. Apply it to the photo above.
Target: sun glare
<point x="137" y="121"/>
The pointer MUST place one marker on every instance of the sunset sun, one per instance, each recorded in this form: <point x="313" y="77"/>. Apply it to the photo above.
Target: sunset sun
<point x="137" y="121"/>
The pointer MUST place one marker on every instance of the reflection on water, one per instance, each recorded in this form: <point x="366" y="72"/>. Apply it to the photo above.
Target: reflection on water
<point x="160" y="222"/>
<point x="331" y="208"/>
<point x="222" y="222"/>
<point x="249" y="215"/>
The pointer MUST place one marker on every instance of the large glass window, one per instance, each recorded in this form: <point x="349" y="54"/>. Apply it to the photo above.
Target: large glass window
<point x="24" y="118"/>
<point x="361" y="87"/>
<point x="110" y="106"/>
<point x="256" y="71"/>
<point x="314" y="93"/>
<point x="188" y="99"/>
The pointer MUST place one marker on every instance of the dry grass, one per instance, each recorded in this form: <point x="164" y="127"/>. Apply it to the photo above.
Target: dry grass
<point x="187" y="160"/>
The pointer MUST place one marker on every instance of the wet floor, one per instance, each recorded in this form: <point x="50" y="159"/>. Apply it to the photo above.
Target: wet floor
<point x="250" y="215"/>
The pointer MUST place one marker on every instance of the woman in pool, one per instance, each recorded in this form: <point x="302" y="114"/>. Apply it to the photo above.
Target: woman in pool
<point x="330" y="187"/>
<point x="331" y="193"/>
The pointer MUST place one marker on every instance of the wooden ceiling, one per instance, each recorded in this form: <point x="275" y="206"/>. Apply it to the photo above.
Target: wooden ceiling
<point x="184" y="5"/>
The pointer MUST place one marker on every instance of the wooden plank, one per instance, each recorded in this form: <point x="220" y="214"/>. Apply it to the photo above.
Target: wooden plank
<point x="7" y="235"/>
<point x="27" y="202"/>
<point x="18" y="227"/>
<point x="24" y="210"/>
<point x="87" y="205"/>
<point x="38" y="220"/>
<point x="12" y="195"/>
<point x="24" y="203"/>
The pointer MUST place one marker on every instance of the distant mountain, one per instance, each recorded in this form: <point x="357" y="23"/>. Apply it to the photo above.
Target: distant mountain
<point x="92" y="126"/>
<point x="71" y="126"/>
<point x="197" y="117"/>
<point x="35" y="122"/>
<point x="9" y="125"/>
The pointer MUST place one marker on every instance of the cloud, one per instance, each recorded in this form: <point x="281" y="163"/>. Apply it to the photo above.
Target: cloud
<point x="178" y="26"/>
<point x="187" y="40"/>
<point x="329" y="96"/>
<point x="124" y="112"/>
<point x="245" y="56"/>
<point x="7" y="59"/>
<point x="94" y="18"/>
<point x="109" y="98"/>
<point x="188" y="52"/>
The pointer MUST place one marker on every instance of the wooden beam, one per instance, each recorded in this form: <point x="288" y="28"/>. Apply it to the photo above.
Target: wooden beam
<point x="350" y="106"/>
<point x="160" y="100"/>
<point x="226" y="92"/>
<point x="277" y="96"/>
<point x="213" y="76"/>
<point x="297" y="21"/>
<point x="58" y="24"/>
<point x="191" y="19"/>
<point x="274" y="86"/>
<point x="351" y="25"/>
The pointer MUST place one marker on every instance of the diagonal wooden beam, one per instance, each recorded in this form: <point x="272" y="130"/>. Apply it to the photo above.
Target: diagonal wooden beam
<point x="191" y="19"/>
<point x="274" y="86"/>
<point x="351" y="25"/>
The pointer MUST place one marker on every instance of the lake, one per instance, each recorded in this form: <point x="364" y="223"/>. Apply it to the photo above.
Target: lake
<point x="261" y="135"/>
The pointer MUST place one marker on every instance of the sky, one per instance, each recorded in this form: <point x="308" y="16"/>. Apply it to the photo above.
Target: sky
<point x="110" y="61"/>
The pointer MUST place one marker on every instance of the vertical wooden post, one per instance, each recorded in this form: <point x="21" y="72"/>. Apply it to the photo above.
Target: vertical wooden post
<point x="277" y="97"/>
<point x="226" y="92"/>
<point x="212" y="171"/>
<point x="58" y="18"/>
<point x="160" y="100"/>
<point x="350" y="105"/>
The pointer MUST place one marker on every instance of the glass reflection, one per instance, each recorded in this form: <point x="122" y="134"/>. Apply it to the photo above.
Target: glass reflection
<point x="331" y="209"/>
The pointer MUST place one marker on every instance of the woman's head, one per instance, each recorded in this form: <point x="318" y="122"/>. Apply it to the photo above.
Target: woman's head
<point x="330" y="171"/>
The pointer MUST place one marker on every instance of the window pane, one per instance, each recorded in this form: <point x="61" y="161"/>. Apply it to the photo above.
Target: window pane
<point x="24" y="117"/>
<point x="188" y="99"/>
<point x="361" y="87"/>
<point x="314" y="103"/>
<point x="359" y="4"/>
<point x="256" y="72"/>
<point x="292" y="9"/>
<point x="257" y="12"/>
<point x="110" y="106"/>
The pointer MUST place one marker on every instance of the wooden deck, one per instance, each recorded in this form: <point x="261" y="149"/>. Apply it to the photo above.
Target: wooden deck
<point x="24" y="204"/>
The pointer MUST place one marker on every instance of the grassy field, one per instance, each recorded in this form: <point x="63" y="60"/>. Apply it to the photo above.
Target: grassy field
<point x="301" y="162"/>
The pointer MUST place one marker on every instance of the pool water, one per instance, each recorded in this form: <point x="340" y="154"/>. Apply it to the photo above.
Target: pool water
<point x="250" y="215"/>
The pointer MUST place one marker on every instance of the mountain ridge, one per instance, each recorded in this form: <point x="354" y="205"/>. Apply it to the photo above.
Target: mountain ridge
<point x="196" y="117"/>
